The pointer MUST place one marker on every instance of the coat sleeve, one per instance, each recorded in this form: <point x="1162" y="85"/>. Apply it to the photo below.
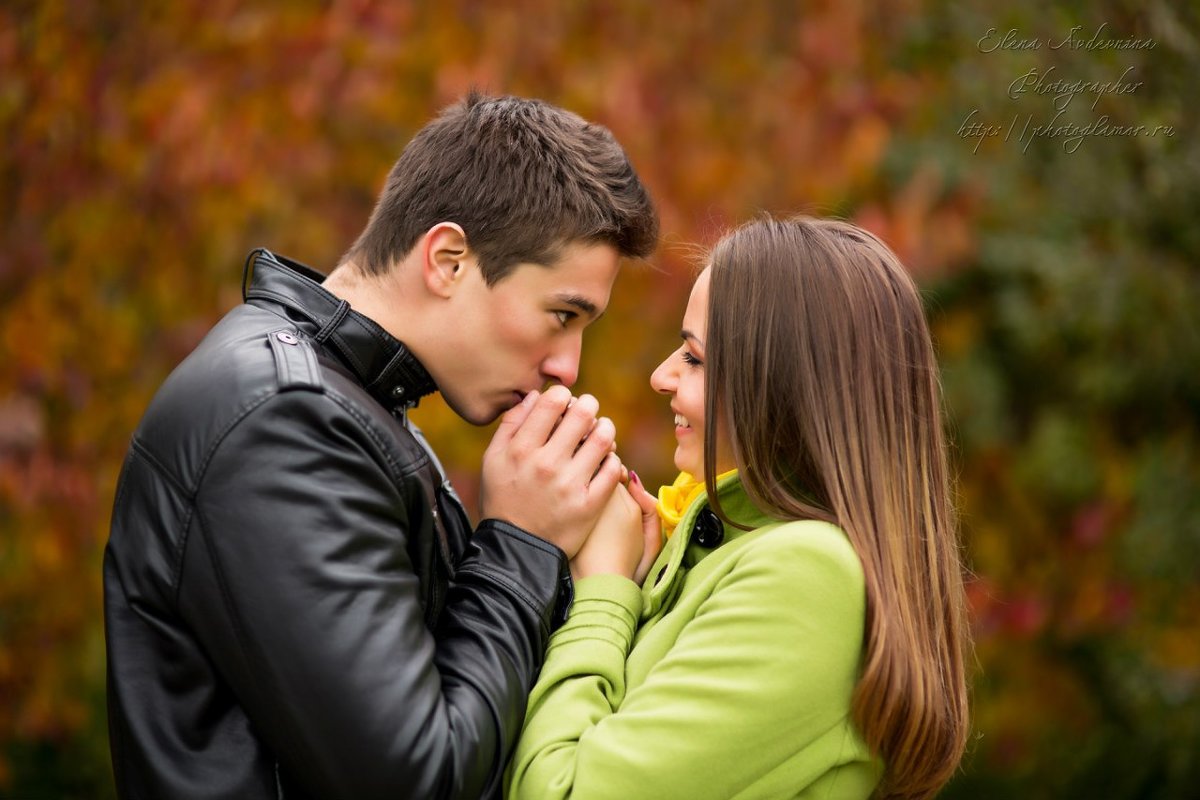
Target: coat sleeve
<point x="759" y="678"/>
<point x="297" y="580"/>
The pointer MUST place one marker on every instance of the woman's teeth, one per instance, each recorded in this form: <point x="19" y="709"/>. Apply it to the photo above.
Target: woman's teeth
<point x="681" y="421"/>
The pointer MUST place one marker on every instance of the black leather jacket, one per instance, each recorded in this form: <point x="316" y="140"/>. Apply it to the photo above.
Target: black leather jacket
<point x="295" y="605"/>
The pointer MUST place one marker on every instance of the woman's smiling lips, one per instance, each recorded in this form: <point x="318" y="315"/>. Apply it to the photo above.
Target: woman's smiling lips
<point x="682" y="426"/>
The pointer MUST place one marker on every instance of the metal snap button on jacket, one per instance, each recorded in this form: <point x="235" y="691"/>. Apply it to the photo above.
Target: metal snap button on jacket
<point x="708" y="530"/>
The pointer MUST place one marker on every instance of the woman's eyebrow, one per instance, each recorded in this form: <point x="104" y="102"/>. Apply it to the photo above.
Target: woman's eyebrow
<point x="686" y="334"/>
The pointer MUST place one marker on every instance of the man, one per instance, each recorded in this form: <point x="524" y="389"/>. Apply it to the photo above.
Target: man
<point x="295" y="604"/>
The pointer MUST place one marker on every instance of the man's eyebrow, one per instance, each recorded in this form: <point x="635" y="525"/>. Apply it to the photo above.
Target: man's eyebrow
<point x="582" y="303"/>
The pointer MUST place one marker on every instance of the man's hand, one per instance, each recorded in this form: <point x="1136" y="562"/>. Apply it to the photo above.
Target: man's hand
<point x="627" y="537"/>
<point x="550" y="469"/>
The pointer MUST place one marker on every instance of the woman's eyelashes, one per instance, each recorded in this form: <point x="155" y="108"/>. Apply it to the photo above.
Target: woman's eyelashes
<point x="691" y="360"/>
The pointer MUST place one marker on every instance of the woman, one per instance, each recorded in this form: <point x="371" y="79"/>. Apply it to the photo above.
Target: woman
<point x="802" y="632"/>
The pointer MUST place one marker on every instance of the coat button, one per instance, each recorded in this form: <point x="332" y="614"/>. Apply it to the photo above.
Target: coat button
<point x="708" y="530"/>
<point x="287" y="338"/>
<point x="398" y="392"/>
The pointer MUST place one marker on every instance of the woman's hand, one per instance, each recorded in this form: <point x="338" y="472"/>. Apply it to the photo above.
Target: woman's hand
<point x="626" y="538"/>
<point x="651" y="527"/>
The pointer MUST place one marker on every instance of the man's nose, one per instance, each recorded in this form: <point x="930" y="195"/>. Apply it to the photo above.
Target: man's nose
<point x="563" y="364"/>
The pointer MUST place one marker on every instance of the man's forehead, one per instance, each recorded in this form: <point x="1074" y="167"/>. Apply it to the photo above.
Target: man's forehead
<point x="581" y="277"/>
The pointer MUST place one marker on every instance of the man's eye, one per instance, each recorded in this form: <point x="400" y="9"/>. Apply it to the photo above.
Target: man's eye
<point x="565" y="317"/>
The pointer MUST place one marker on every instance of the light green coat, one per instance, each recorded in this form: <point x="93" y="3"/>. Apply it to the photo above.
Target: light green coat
<point x="729" y="677"/>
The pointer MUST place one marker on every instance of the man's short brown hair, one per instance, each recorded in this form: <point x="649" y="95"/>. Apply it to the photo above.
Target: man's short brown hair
<point x="522" y="177"/>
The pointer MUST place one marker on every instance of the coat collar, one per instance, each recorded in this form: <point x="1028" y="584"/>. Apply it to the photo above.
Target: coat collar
<point x="666" y="576"/>
<point x="382" y="363"/>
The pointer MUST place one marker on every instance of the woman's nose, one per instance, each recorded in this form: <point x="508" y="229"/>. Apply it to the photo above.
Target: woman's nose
<point x="662" y="380"/>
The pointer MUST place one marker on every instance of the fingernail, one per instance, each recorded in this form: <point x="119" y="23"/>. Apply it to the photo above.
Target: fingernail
<point x="635" y="478"/>
<point x="530" y="398"/>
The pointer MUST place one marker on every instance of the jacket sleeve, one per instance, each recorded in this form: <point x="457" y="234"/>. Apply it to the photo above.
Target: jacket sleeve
<point x="297" y="580"/>
<point x="760" y="675"/>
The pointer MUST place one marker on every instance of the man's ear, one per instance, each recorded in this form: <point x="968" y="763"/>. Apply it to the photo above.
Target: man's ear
<point x="444" y="258"/>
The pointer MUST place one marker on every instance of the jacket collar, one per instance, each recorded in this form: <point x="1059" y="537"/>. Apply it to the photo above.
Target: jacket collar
<point x="382" y="363"/>
<point x="666" y="576"/>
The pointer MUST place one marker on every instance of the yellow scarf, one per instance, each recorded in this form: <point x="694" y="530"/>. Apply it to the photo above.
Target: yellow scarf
<point x="673" y="500"/>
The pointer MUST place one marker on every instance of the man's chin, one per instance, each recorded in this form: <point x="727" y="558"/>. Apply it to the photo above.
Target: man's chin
<point x="479" y="417"/>
<point x="479" y="414"/>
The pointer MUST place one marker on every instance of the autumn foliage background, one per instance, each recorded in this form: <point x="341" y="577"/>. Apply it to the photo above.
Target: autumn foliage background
<point x="148" y="147"/>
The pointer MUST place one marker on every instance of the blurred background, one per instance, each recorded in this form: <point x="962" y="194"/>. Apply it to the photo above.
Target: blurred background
<point x="1048" y="210"/>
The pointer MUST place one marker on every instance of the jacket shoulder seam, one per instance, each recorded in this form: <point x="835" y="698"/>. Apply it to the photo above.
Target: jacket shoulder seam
<point x="201" y="473"/>
<point x="161" y="469"/>
<point x="158" y="466"/>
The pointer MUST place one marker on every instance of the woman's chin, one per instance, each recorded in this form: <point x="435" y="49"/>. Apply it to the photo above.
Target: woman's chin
<point x="684" y="463"/>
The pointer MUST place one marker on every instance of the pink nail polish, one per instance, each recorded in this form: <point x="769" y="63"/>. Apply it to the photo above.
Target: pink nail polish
<point x="635" y="477"/>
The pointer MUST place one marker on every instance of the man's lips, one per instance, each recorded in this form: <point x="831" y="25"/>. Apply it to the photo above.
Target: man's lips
<point x="518" y="395"/>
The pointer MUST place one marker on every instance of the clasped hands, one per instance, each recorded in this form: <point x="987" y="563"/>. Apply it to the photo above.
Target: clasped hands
<point x="552" y="469"/>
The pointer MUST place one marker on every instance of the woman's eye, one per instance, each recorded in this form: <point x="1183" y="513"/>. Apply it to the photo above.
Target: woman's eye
<point x="691" y="360"/>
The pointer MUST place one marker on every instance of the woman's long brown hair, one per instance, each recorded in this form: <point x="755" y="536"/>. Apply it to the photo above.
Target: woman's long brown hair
<point x="819" y="360"/>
